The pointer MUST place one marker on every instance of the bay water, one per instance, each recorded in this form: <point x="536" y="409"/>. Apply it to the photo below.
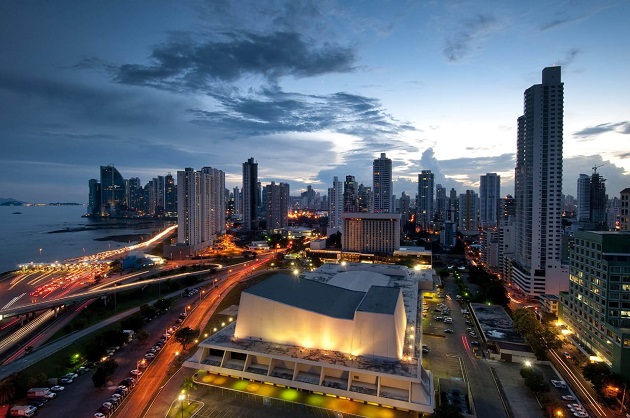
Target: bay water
<point x="45" y="234"/>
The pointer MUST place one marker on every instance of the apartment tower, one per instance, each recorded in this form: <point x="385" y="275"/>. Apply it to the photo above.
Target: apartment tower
<point x="382" y="184"/>
<point x="537" y="267"/>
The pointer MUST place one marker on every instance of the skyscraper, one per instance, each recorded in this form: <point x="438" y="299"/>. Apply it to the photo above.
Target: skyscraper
<point x="335" y="206"/>
<point x="112" y="192"/>
<point x="277" y="211"/>
<point x="583" y="191"/>
<point x="425" y="199"/>
<point x="489" y="194"/>
<point x="350" y="195"/>
<point x="441" y="203"/>
<point x="537" y="267"/>
<point x="597" y="201"/>
<point x="94" y="199"/>
<point x="170" y="195"/>
<point x="468" y="209"/>
<point x="188" y="207"/>
<point x="250" y="195"/>
<point x="382" y="184"/>
<point x="213" y="203"/>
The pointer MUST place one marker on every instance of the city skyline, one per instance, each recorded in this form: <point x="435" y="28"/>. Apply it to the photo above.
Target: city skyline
<point x="309" y="90"/>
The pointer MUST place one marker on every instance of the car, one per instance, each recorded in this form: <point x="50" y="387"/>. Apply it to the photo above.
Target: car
<point x="123" y="388"/>
<point x="149" y="356"/>
<point x="438" y="318"/>
<point x="425" y="349"/>
<point x="437" y="310"/>
<point x="66" y="380"/>
<point x="157" y="347"/>
<point x="36" y="403"/>
<point x="559" y="384"/>
<point x="57" y="388"/>
<point x="71" y="375"/>
<point x="475" y="343"/>
<point x="136" y="372"/>
<point x="82" y="370"/>
<point x="108" y="405"/>
<point x="469" y="329"/>
<point x="580" y="414"/>
<point x="99" y="415"/>
<point x="566" y="355"/>
<point x="568" y="397"/>
<point x="449" y="331"/>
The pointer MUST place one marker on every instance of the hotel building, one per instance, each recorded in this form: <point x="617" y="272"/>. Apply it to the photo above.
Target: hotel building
<point x="596" y="308"/>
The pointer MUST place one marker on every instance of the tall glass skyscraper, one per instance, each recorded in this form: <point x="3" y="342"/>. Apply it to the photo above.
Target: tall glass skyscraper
<point x="112" y="191"/>
<point x="382" y="184"/>
<point x="537" y="267"/>
<point x="250" y="195"/>
<point x="425" y="199"/>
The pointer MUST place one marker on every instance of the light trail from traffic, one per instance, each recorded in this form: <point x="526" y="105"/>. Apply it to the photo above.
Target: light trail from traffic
<point x="576" y="382"/>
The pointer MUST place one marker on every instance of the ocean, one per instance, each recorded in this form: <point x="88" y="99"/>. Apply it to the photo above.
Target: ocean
<point x="55" y="233"/>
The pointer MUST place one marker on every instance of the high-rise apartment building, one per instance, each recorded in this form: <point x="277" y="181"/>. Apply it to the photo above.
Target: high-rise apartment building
<point x="94" y="198"/>
<point x="425" y="199"/>
<point x="335" y="206"/>
<point x="201" y="208"/>
<point x="537" y="267"/>
<point x="489" y="195"/>
<point x="507" y="208"/>
<point x="213" y="203"/>
<point x="350" y="195"/>
<point x="598" y="200"/>
<point x="468" y="212"/>
<point x="382" y="184"/>
<point x="170" y="195"/>
<point x="441" y="203"/>
<point x="250" y="195"/>
<point x="189" y="207"/>
<point x="365" y="198"/>
<point x="583" y="198"/>
<point x="624" y="210"/>
<point x="277" y="211"/>
<point x="596" y="308"/>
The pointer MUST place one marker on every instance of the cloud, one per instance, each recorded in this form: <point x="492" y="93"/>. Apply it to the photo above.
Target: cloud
<point x="182" y="63"/>
<point x="590" y="131"/>
<point x="271" y="110"/>
<point x="472" y="33"/>
<point x="569" y="57"/>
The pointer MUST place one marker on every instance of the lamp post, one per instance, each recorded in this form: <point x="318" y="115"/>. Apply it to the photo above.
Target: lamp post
<point x="181" y="399"/>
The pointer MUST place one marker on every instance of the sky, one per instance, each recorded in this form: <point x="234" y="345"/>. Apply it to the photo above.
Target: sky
<point x="309" y="89"/>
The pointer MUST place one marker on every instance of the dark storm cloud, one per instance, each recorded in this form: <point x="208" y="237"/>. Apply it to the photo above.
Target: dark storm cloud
<point x="590" y="131"/>
<point x="470" y="33"/>
<point x="183" y="63"/>
<point x="272" y="111"/>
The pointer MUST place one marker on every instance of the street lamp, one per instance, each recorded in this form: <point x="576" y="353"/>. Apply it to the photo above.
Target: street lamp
<point x="181" y="399"/>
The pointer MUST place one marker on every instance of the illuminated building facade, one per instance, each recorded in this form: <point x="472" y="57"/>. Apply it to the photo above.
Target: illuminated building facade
<point x="370" y="233"/>
<point x="347" y="331"/>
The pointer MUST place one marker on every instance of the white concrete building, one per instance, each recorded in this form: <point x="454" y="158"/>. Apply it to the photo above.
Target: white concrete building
<point x="335" y="206"/>
<point x="489" y="196"/>
<point x="348" y="331"/>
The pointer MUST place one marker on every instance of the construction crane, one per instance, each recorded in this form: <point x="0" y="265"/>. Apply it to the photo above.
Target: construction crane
<point x="595" y="167"/>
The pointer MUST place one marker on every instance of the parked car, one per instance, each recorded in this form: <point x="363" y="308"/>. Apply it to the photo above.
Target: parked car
<point x="136" y="372"/>
<point x="559" y="384"/>
<point x="568" y="397"/>
<point x="65" y="380"/>
<point x="57" y="388"/>
<point x="449" y="331"/>
<point x="566" y="355"/>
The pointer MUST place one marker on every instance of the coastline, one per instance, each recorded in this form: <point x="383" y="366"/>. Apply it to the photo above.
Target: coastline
<point x="45" y="234"/>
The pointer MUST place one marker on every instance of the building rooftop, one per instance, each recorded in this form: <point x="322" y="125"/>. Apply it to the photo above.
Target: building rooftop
<point x="380" y="300"/>
<point x="313" y="296"/>
<point x="496" y="323"/>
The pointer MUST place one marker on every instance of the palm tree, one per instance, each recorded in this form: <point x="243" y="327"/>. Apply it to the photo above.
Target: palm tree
<point x="187" y="385"/>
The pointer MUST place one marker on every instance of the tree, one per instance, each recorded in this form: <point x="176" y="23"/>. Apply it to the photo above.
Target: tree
<point x="7" y="390"/>
<point x="133" y="322"/>
<point x="185" y="336"/>
<point x="99" y="378"/>
<point x="147" y="311"/>
<point x="534" y="380"/>
<point x="142" y="336"/>
<point x="189" y="384"/>
<point x="94" y="351"/>
<point x="447" y="411"/>
<point x="110" y="366"/>
<point x="162" y="304"/>
<point x="596" y="373"/>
